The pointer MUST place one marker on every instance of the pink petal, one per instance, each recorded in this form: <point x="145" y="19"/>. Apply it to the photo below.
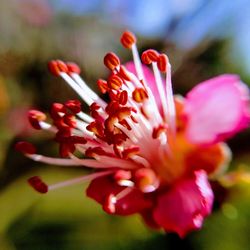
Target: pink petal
<point x="132" y="203"/>
<point x="216" y="109"/>
<point x="183" y="208"/>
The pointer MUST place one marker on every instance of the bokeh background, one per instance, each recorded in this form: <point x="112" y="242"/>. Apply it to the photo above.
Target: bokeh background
<point x="203" y="38"/>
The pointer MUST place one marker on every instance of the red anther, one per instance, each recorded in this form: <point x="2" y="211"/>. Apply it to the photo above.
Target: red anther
<point x="125" y="124"/>
<point x="37" y="183"/>
<point x="70" y="139"/>
<point x="123" y="113"/>
<point x="119" y="138"/>
<point x="139" y="95"/>
<point x="146" y="180"/>
<point x="65" y="149"/>
<point x="115" y="82"/>
<point x="124" y="73"/>
<point x="162" y="63"/>
<point x="122" y="175"/>
<point x="25" y="147"/>
<point x="144" y="112"/>
<point x="93" y="151"/>
<point x="56" y="67"/>
<point x="109" y="204"/>
<point x="112" y="107"/>
<point x="128" y="39"/>
<point x="35" y="117"/>
<point x="117" y="150"/>
<point x="73" y="68"/>
<point x="94" y="106"/>
<point x="70" y="120"/>
<point x="102" y="85"/>
<point x="111" y="61"/>
<point x="133" y="118"/>
<point x="110" y="123"/>
<point x="149" y="56"/>
<point x="76" y="140"/>
<point x="123" y="97"/>
<point x="113" y="95"/>
<point x="128" y="152"/>
<point x="73" y="105"/>
<point x="163" y="128"/>
<point x="60" y="124"/>
<point x="97" y="128"/>
<point x="56" y="109"/>
<point x="62" y="134"/>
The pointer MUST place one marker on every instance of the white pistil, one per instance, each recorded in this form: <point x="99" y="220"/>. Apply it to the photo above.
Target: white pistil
<point x="135" y="128"/>
<point x="128" y="133"/>
<point x="80" y="179"/>
<point x="116" y="162"/>
<point x="124" y="193"/>
<point x="137" y="62"/>
<point x="85" y="117"/>
<point x="88" y="90"/>
<point x="170" y="101"/>
<point x="74" y="161"/>
<point x="140" y="160"/>
<point x="48" y="127"/>
<point x="77" y="88"/>
<point x="160" y="89"/>
<point x="125" y="183"/>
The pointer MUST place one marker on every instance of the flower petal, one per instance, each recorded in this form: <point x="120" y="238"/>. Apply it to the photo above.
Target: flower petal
<point x="99" y="189"/>
<point x="184" y="206"/>
<point x="216" y="109"/>
<point x="214" y="159"/>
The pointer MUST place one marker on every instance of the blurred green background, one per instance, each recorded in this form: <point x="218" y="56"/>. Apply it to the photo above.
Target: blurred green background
<point x="202" y="38"/>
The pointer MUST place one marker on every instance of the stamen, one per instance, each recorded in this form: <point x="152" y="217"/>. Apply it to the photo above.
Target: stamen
<point x="25" y="148"/>
<point x="137" y="63"/>
<point x="146" y="180"/>
<point x="87" y="90"/>
<point x="73" y="68"/>
<point x="162" y="63"/>
<point x="47" y="126"/>
<point x="111" y="61"/>
<point x="149" y="56"/>
<point x="161" y="90"/>
<point x="170" y="100"/>
<point x="140" y="160"/>
<point x="122" y="177"/>
<point x="128" y="39"/>
<point x="77" y="88"/>
<point x="56" y="67"/>
<point x="35" y="117"/>
<point x="123" y="193"/>
<point x="117" y="162"/>
<point x="109" y="204"/>
<point x="124" y="73"/>
<point x="74" y="106"/>
<point x="80" y="179"/>
<point x="102" y="85"/>
<point x="129" y="152"/>
<point x="85" y="117"/>
<point x="37" y="183"/>
<point x="57" y="111"/>
<point x="160" y="129"/>
<point x="115" y="82"/>
<point x="123" y="97"/>
<point x="139" y="95"/>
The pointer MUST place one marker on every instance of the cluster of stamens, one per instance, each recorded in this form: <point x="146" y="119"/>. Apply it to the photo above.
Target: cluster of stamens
<point x="117" y="137"/>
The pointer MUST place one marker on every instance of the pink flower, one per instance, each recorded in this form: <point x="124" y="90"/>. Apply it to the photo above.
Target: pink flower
<point x="153" y="153"/>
